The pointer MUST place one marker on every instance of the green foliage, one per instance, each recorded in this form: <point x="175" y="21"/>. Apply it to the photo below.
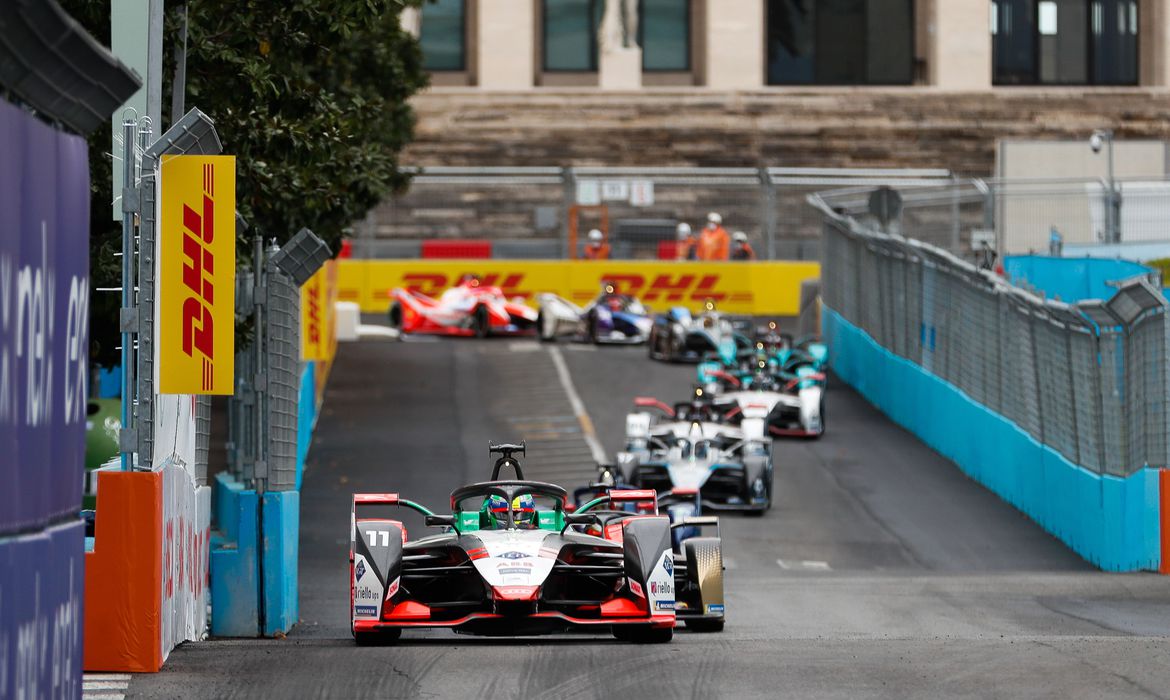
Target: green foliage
<point x="309" y="95"/>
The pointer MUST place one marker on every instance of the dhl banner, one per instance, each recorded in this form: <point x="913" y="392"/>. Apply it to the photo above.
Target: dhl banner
<point x="758" y="288"/>
<point x="318" y="334"/>
<point x="197" y="275"/>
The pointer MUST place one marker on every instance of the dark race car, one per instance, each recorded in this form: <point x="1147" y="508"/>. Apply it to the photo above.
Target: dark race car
<point x="509" y="560"/>
<point x="698" y="559"/>
<point x="677" y="336"/>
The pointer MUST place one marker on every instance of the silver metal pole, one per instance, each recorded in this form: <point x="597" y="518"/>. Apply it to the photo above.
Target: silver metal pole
<point x="259" y="382"/>
<point x="1114" y="195"/>
<point x="129" y="198"/>
<point x="154" y="63"/>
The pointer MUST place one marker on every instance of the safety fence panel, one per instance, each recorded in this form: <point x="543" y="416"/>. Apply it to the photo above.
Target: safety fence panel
<point x="1088" y="380"/>
<point x="547" y="212"/>
<point x="282" y="352"/>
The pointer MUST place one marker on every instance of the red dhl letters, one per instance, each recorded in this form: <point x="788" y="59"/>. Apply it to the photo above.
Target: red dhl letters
<point x="198" y="268"/>
<point x="313" y="327"/>
<point x="432" y="284"/>
<point x="685" y="287"/>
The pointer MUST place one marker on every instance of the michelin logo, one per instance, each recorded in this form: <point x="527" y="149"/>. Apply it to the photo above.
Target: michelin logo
<point x="366" y="610"/>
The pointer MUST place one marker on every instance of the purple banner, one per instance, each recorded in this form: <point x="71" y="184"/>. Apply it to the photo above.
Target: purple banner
<point x="44" y="320"/>
<point x="41" y="582"/>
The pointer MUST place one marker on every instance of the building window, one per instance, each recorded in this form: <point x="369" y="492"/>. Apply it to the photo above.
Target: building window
<point x="1064" y="42"/>
<point x="443" y="35"/>
<point x="665" y="35"/>
<point x="840" y="42"/>
<point x="570" y="34"/>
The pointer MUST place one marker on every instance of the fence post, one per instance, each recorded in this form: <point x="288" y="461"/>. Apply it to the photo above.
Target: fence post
<point x="259" y="376"/>
<point x="767" y="216"/>
<point x="568" y="199"/>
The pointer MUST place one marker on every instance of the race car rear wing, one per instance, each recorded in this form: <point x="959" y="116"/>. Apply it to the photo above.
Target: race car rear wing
<point x="639" y="497"/>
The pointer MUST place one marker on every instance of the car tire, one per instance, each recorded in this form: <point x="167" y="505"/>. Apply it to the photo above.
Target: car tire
<point x="623" y="633"/>
<point x="651" y="635"/>
<point x="591" y="328"/>
<point x="549" y="338"/>
<point x="652" y="344"/>
<point x="395" y="315"/>
<point x="705" y="626"/>
<point x="377" y="639"/>
<point x="480" y="322"/>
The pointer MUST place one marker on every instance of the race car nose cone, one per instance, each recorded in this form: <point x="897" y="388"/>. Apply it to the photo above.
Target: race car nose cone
<point x="515" y="594"/>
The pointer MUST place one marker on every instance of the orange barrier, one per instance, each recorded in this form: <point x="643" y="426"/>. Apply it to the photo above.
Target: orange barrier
<point x="1164" y="518"/>
<point x="123" y="575"/>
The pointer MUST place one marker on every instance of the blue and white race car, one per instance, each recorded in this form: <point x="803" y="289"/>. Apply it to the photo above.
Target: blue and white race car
<point x="611" y="318"/>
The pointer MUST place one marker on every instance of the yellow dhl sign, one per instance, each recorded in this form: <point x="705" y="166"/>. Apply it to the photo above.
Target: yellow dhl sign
<point x="318" y="334"/>
<point x="758" y="288"/>
<point x="197" y="275"/>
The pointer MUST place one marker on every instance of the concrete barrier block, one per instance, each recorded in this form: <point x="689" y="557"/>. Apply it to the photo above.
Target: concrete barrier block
<point x="282" y="520"/>
<point x="1113" y="522"/>
<point x="235" y="585"/>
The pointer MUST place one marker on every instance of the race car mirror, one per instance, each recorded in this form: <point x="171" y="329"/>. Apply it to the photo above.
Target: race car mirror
<point x="580" y="519"/>
<point x="441" y="521"/>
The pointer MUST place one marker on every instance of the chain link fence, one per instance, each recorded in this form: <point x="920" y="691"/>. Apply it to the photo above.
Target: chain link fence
<point x="971" y="215"/>
<point x="1087" y="379"/>
<point x="262" y="413"/>
<point x="543" y="212"/>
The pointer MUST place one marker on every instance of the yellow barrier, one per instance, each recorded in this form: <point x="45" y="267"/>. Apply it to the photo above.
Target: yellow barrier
<point x="759" y="288"/>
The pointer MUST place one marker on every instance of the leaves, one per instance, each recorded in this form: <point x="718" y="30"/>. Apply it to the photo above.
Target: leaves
<point x="311" y="98"/>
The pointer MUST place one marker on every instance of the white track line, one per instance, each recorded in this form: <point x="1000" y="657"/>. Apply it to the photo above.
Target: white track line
<point x="578" y="406"/>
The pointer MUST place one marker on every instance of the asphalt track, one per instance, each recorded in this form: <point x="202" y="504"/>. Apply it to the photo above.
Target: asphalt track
<point x="881" y="571"/>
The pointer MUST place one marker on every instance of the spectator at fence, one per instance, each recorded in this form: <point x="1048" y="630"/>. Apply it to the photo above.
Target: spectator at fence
<point x="596" y="248"/>
<point x="714" y="241"/>
<point x="740" y="248"/>
<point x="686" y="247"/>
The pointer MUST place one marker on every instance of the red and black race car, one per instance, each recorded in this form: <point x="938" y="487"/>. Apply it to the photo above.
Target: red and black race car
<point x="470" y="308"/>
<point x="511" y="560"/>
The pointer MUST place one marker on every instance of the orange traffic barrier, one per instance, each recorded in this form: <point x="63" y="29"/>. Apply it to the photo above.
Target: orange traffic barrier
<point x="1164" y="518"/>
<point x="123" y="575"/>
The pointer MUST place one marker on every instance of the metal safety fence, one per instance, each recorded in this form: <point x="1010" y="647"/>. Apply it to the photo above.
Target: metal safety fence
<point x="1087" y="379"/>
<point x="547" y="212"/>
<point x="970" y="216"/>
<point x="262" y="413"/>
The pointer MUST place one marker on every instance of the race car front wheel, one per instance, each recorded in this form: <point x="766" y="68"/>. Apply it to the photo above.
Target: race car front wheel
<point x="395" y="315"/>
<point x="379" y="638"/>
<point x="703" y="626"/>
<point x="642" y="634"/>
<point x="480" y="322"/>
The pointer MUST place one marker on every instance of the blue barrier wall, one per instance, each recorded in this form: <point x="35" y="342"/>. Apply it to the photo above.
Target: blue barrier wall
<point x="282" y="525"/>
<point x="1070" y="279"/>
<point x="235" y="576"/>
<point x="306" y="416"/>
<point x="1112" y="522"/>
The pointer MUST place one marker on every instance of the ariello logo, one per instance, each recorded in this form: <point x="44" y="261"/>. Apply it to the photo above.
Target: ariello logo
<point x="198" y="268"/>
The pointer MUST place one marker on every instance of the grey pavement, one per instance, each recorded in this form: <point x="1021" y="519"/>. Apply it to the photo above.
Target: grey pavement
<point x="882" y="571"/>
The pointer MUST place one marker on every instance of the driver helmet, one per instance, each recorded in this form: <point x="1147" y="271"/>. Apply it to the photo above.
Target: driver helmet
<point x="524" y="511"/>
<point x="469" y="280"/>
<point x="498" y="510"/>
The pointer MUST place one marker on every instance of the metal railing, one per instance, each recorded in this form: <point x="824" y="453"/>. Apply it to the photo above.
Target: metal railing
<point x="262" y="413"/>
<point x="544" y="212"/>
<point x="1087" y="379"/>
<point x="1018" y="215"/>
